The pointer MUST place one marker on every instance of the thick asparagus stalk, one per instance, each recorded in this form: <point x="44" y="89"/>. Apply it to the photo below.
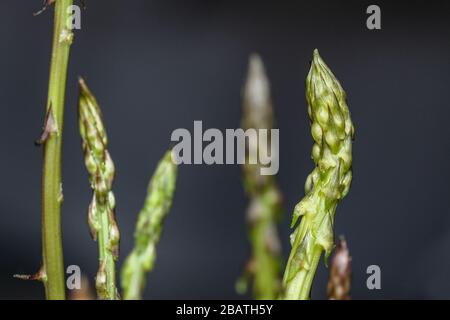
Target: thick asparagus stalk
<point x="265" y="197"/>
<point x="328" y="183"/>
<point x="339" y="281"/>
<point x="149" y="227"/>
<point x="53" y="265"/>
<point x="101" y="170"/>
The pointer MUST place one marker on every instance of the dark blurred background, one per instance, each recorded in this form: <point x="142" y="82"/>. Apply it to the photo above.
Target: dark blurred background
<point x="159" y="65"/>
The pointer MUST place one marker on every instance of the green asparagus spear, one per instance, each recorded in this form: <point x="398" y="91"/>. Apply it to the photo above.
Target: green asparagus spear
<point x="148" y="229"/>
<point x="339" y="280"/>
<point x="101" y="171"/>
<point x="328" y="183"/>
<point x="265" y="197"/>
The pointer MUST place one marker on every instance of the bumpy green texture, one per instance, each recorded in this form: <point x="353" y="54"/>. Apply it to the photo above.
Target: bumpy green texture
<point x="148" y="229"/>
<point x="101" y="171"/>
<point x="265" y="198"/>
<point x="328" y="183"/>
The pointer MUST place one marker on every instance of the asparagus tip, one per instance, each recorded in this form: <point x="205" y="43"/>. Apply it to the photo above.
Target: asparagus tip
<point x="82" y="84"/>
<point x="255" y="62"/>
<point x="317" y="59"/>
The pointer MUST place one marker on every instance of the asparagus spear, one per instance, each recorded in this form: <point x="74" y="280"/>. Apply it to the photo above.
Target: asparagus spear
<point x="328" y="183"/>
<point x="265" y="197"/>
<point x="339" y="281"/>
<point x="101" y="171"/>
<point x="148" y="229"/>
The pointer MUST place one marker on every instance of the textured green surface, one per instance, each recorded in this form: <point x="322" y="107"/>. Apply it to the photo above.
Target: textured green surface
<point x="101" y="171"/>
<point x="328" y="183"/>
<point x="265" y="198"/>
<point x="149" y="227"/>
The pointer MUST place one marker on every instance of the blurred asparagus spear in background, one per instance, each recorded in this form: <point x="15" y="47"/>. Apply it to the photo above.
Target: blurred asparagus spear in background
<point x="262" y="190"/>
<point x="148" y="229"/>
<point x="101" y="171"/>
<point x="339" y="281"/>
<point x="329" y="182"/>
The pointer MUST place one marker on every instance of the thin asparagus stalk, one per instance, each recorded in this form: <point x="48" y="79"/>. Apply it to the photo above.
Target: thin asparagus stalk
<point x="51" y="139"/>
<point x="328" y="183"/>
<point x="262" y="190"/>
<point x="101" y="171"/>
<point x="149" y="227"/>
<point x="339" y="281"/>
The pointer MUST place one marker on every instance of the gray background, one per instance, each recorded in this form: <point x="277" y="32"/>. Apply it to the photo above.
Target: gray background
<point x="159" y="65"/>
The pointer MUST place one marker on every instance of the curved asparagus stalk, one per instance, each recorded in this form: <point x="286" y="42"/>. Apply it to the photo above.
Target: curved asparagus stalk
<point x="328" y="183"/>
<point x="265" y="197"/>
<point x="101" y="171"/>
<point x="149" y="227"/>
<point x="339" y="281"/>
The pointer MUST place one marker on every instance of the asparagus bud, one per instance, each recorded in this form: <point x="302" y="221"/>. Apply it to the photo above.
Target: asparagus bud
<point x="101" y="171"/>
<point x="148" y="229"/>
<point x="328" y="183"/>
<point x="339" y="281"/>
<point x="265" y="197"/>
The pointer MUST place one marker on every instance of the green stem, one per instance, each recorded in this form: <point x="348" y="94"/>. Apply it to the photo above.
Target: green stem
<point x="300" y="286"/>
<point x="266" y="264"/>
<point x="135" y="288"/>
<point x="305" y="290"/>
<point x="51" y="180"/>
<point x="265" y="198"/>
<point x="106" y="255"/>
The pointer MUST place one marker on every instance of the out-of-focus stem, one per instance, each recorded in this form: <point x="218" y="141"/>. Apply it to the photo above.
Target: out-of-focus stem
<point x="149" y="228"/>
<point x="265" y="198"/>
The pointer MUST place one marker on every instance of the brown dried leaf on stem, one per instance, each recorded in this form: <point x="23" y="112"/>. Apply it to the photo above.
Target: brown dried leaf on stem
<point x="47" y="3"/>
<point x="339" y="282"/>
<point x="49" y="127"/>
<point x="39" y="276"/>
